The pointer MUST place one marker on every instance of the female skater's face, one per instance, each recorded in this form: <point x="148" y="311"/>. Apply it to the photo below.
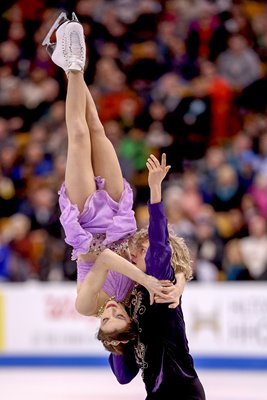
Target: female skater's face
<point x="114" y="317"/>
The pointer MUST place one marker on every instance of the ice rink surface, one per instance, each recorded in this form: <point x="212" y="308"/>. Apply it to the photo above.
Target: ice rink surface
<point x="100" y="384"/>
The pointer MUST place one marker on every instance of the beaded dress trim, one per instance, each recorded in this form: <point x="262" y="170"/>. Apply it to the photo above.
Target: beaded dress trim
<point x="97" y="246"/>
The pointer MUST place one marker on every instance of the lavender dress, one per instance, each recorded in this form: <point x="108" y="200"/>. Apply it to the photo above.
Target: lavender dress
<point x="102" y="223"/>
<point x="101" y="216"/>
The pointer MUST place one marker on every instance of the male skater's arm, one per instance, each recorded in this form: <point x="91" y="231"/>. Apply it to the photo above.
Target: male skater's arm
<point x="158" y="257"/>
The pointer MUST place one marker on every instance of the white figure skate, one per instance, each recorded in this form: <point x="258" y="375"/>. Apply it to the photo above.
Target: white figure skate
<point x="68" y="52"/>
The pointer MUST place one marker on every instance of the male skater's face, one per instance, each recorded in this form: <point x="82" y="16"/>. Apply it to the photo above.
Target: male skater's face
<point x="138" y="255"/>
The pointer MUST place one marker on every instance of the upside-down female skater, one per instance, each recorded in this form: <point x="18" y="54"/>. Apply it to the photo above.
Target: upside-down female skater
<point x="95" y="201"/>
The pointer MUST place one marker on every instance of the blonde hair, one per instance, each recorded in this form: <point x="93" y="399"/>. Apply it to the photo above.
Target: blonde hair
<point x="180" y="257"/>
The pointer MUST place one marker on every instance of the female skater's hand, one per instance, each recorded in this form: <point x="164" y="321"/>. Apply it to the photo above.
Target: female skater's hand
<point x="153" y="285"/>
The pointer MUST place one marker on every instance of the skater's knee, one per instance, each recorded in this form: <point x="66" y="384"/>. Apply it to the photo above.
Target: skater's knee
<point x="78" y="131"/>
<point x="97" y="129"/>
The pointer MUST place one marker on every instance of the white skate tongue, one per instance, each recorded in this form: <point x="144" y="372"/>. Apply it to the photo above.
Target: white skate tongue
<point x="76" y="58"/>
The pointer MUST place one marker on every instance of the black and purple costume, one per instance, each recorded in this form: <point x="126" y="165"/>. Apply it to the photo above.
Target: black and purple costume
<point x="162" y="351"/>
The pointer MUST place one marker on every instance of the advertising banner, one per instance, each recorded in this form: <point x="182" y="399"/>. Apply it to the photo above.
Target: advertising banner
<point x="223" y="320"/>
<point x="226" y="319"/>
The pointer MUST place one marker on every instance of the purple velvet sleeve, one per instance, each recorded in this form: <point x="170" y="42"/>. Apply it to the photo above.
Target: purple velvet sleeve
<point x="158" y="257"/>
<point x="124" y="367"/>
<point x="158" y="264"/>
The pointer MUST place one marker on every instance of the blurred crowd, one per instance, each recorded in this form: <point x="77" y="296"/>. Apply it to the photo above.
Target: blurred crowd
<point x="184" y="77"/>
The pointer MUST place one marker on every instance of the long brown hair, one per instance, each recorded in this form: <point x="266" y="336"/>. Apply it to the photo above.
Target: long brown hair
<point x="118" y="341"/>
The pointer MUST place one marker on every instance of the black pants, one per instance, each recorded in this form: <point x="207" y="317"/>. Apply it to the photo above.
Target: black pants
<point x="192" y="390"/>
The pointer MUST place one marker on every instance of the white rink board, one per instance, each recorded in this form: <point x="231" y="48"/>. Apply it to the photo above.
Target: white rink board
<point x="226" y="318"/>
<point x="222" y="319"/>
<point x="41" y="319"/>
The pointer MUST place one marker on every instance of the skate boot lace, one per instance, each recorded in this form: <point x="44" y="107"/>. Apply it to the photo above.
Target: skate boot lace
<point x="76" y="48"/>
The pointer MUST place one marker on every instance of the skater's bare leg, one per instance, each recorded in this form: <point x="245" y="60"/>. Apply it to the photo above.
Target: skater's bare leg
<point x="79" y="178"/>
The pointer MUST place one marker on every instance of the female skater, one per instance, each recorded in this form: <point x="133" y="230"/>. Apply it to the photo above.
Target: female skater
<point x="95" y="201"/>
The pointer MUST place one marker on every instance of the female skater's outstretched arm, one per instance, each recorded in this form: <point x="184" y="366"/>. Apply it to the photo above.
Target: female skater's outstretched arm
<point x="86" y="302"/>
